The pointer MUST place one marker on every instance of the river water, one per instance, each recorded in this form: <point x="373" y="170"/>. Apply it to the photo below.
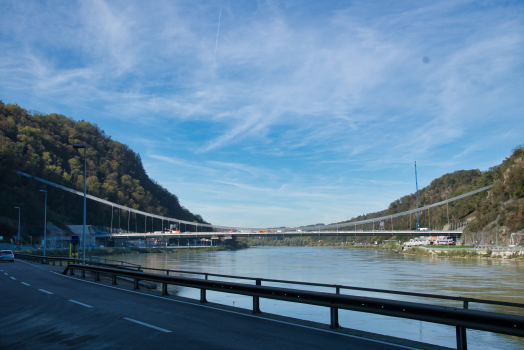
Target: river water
<point x="484" y="279"/>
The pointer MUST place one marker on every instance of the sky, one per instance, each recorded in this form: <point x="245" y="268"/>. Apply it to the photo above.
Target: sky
<point x="279" y="113"/>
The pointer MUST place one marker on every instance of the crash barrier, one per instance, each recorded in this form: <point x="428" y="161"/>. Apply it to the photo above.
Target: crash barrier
<point x="461" y="318"/>
<point x="61" y="259"/>
<point x="99" y="260"/>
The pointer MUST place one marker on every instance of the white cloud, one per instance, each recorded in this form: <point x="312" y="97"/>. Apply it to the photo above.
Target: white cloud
<point x="297" y="97"/>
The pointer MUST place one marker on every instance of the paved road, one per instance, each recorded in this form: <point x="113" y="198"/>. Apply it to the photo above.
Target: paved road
<point x="41" y="309"/>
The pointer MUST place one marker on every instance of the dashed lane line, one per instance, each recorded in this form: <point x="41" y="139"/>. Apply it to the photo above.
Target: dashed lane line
<point x="148" y="325"/>
<point x="79" y="303"/>
<point x="5" y="273"/>
<point x="45" y="291"/>
<point x="246" y="315"/>
<point x="26" y="284"/>
<point x="14" y="279"/>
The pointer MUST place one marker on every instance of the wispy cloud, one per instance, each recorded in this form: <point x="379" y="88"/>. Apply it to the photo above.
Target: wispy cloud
<point x="298" y="96"/>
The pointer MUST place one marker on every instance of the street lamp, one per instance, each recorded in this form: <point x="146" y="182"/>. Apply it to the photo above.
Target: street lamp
<point x="45" y="220"/>
<point x="18" y="222"/>
<point x="84" y="227"/>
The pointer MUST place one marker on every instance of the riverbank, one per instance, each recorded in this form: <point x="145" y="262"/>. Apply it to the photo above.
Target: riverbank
<point x="115" y="251"/>
<point x="463" y="252"/>
<point x="515" y="253"/>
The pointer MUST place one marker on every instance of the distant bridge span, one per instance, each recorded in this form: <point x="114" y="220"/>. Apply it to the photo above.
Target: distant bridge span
<point x="310" y="228"/>
<point x="221" y="235"/>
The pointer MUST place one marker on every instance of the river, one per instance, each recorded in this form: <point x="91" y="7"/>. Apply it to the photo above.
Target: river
<point x="477" y="278"/>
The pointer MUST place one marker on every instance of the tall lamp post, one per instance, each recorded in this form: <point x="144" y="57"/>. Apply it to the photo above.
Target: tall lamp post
<point x="18" y="222"/>
<point x="84" y="227"/>
<point x="45" y="219"/>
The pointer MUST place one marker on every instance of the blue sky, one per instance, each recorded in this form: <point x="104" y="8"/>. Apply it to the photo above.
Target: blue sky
<point x="297" y="112"/>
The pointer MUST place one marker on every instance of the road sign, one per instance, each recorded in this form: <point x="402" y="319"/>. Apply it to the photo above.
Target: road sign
<point x="17" y="242"/>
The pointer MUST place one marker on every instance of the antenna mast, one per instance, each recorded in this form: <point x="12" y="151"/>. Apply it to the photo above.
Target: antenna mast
<point x="416" y="183"/>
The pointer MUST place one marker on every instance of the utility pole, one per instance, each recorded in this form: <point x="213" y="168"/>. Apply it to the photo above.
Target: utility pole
<point x="416" y="184"/>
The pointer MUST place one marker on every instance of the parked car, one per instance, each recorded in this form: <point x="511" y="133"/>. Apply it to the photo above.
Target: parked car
<point x="7" y="255"/>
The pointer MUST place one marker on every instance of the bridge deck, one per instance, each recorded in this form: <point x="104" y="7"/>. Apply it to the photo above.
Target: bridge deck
<point x="217" y="235"/>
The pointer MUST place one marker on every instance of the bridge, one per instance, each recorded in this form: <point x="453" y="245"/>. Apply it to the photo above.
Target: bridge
<point x="339" y="229"/>
<point x="220" y="235"/>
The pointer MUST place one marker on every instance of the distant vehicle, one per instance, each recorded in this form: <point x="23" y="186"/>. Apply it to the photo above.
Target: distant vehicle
<point x="447" y="241"/>
<point x="7" y="255"/>
<point x="423" y="229"/>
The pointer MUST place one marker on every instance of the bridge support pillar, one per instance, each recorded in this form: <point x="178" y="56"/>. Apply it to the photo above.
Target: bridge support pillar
<point x="462" y="340"/>
<point x="164" y="289"/>
<point x="256" y="300"/>
<point x="334" y="315"/>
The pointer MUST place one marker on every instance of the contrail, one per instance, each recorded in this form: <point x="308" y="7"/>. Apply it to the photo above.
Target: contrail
<point x="218" y="29"/>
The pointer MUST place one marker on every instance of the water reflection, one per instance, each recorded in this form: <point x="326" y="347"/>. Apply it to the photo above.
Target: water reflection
<point x="483" y="279"/>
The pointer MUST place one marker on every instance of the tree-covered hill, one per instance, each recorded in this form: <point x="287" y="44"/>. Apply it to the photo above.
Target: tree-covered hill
<point x="42" y="146"/>
<point x="497" y="211"/>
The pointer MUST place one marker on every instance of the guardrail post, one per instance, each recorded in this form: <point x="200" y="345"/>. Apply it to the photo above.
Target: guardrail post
<point x="167" y="272"/>
<point x="97" y="276"/>
<point x="135" y="284"/>
<point x="113" y="280"/>
<point x="164" y="289"/>
<point x="462" y="340"/>
<point x="334" y="315"/>
<point x="256" y="300"/>
<point x="83" y="274"/>
<point x="203" y="293"/>
<point x="71" y="272"/>
<point x="60" y="262"/>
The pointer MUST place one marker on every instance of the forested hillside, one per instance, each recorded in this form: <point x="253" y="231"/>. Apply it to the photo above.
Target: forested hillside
<point x="497" y="211"/>
<point x="491" y="215"/>
<point x="42" y="146"/>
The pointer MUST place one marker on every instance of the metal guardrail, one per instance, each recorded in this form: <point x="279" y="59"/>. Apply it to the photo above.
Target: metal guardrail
<point x="60" y="259"/>
<point x="98" y="259"/>
<point x="336" y="286"/>
<point x="461" y="318"/>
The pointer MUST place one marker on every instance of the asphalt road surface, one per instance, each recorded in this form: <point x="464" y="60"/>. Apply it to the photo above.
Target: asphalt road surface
<point x="42" y="309"/>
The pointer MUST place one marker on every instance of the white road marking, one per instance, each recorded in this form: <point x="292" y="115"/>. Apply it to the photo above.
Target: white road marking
<point x="45" y="291"/>
<point x="12" y="278"/>
<point x="246" y="315"/>
<point x="79" y="303"/>
<point x="148" y="325"/>
<point x="27" y="284"/>
<point x="5" y="273"/>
